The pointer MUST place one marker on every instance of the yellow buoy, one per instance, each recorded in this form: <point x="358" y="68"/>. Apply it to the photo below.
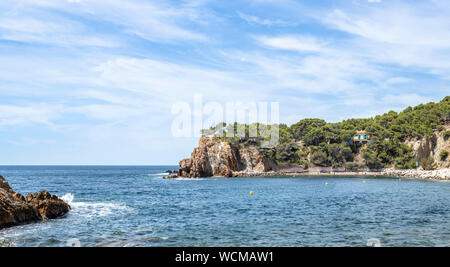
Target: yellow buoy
<point x="364" y="182"/>
<point x="326" y="184"/>
<point x="251" y="193"/>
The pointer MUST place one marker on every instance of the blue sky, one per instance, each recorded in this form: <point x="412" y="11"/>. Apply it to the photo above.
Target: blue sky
<point x="93" y="81"/>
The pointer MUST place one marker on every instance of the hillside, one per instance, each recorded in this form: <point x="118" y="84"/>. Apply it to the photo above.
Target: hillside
<point x="395" y="140"/>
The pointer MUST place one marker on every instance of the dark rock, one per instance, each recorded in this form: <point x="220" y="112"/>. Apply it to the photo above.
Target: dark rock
<point x="16" y="209"/>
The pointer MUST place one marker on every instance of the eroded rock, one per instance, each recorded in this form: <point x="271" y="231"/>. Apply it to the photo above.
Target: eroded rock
<point x="16" y="209"/>
<point x="214" y="157"/>
<point x="431" y="147"/>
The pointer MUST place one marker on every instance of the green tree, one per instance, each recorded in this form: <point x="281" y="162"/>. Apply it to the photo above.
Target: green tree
<point x="339" y="154"/>
<point x="303" y="127"/>
<point x="320" y="158"/>
<point x="371" y="159"/>
<point x="428" y="163"/>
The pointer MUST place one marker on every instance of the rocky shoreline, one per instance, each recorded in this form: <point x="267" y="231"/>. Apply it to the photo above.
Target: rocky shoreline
<point x="437" y="175"/>
<point x="441" y="175"/>
<point x="17" y="209"/>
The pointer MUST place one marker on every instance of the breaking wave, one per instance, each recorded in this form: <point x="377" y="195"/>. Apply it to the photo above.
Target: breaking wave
<point x="159" y="174"/>
<point x="94" y="209"/>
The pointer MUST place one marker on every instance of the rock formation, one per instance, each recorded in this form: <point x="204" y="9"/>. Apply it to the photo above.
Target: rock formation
<point x="16" y="209"/>
<point x="431" y="147"/>
<point x="214" y="157"/>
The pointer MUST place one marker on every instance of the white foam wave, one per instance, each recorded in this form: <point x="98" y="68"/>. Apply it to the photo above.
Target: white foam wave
<point x="68" y="198"/>
<point x="94" y="209"/>
<point x="187" y="179"/>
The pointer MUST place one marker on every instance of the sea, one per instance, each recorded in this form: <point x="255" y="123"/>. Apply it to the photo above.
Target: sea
<point x="127" y="206"/>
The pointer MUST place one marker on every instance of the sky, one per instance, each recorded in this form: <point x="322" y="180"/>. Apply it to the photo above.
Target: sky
<point x="94" y="81"/>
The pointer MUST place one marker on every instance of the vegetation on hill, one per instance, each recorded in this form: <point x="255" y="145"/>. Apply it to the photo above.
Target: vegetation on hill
<point x="314" y="141"/>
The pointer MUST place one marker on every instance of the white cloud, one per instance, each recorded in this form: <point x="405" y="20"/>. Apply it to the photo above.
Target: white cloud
<point x="51" y="30"/>
<point x="399" y="80"/>
<point x="168" y="81"/>
<point x="266" y="22"/>
<point x="28" y="114"/>
<point x="334" y="74"/>
<point x="30" y="21"/>
<point x="32" y="25"/>
<point x="297" y="43"/>
<point x="415" y="36"/>
<point x="399" y="25"/>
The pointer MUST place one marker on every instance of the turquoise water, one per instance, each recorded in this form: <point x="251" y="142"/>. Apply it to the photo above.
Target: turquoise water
<point x="134" y="206"/>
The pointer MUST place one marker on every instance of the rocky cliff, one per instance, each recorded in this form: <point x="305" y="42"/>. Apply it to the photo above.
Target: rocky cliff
<point x="432" y="147"/>
<point x="17" y="209"/>
<point x="214" y="157"/>
<point x="218" y="158"/>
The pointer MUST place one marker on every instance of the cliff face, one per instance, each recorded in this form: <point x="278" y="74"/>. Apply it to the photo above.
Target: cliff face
<point x="431" y="147"/>
<point x="218" y="158"/>
<point x="16" y="209"/>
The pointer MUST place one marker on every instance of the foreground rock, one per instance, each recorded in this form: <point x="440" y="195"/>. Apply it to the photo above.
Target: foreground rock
<point x="16" y="209"/>
<point x="216" y="158"/>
